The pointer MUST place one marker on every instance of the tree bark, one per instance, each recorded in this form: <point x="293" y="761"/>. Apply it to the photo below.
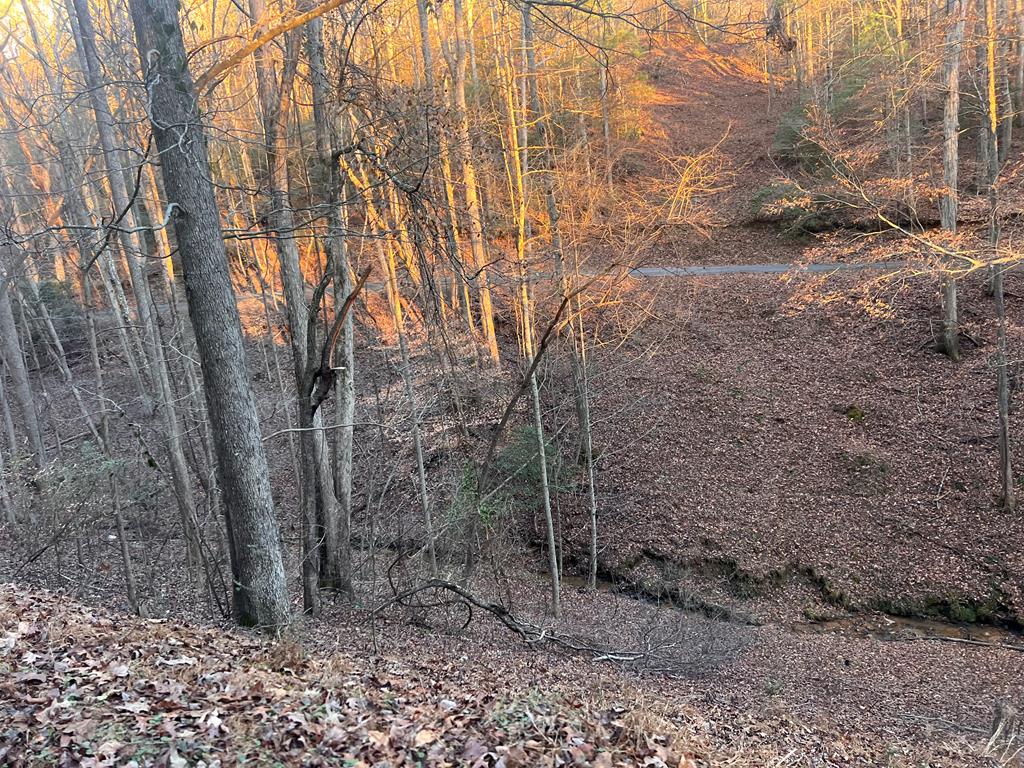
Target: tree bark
<point x="316" y="493"/>
<point x="336" y="572"/>
<point x="518" y="146"/>
<point x="1007" y="490"/>
<point x="950" y="340"/>
<point x="13" y="357"/>
<point x="134" y="247"/>
<point x="580" y="388"/>
<point x="260" y="594"/>
<point x="470" y="188"/>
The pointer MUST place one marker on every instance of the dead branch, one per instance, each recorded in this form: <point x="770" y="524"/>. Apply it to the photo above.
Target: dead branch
<point x="209" y="79"/>
<point x="532" y="634"/>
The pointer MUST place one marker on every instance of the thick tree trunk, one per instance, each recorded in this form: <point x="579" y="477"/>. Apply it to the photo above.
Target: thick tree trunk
<point x="316" y="491"/>
<point x="260" y="594"/>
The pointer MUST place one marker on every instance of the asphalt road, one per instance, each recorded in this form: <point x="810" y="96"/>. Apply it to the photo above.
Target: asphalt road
<point x="758" y="269"/>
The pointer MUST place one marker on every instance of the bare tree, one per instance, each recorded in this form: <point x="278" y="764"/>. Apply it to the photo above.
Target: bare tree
<point x="260" y="595"/>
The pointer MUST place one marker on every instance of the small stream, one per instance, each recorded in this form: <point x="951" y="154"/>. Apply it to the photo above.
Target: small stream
<point x="875" y="625"/>
<point x="882" y="626"/>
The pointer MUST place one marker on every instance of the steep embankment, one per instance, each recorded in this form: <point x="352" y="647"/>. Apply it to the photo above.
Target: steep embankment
<point x="711" y="101"/>
<point x="809" y="453"/>
<point x="82" y="686"/>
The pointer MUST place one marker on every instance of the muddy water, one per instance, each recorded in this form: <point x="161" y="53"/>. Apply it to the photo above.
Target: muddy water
<point x="879" y="626"/>
<point x="884" y="627"/>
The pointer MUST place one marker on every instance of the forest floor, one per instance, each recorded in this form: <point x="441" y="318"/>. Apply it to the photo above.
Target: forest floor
<point x="90" y="686"/>
<point x="791" y="451"/>
<point x="785" y="466"/>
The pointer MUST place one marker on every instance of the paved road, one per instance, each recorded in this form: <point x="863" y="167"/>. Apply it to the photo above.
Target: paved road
<point x="757" y="269"/>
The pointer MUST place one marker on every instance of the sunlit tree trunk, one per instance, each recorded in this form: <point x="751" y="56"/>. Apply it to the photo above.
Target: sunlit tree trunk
<point x="1005" y="96"/>
<point x="950" y="172"/>
<point x="1018" y="18"/>
<point x="518" y="143"/>
<point x="479" y="262"/>
<point x="536" y="113"/>
<point x="337" y="518"/>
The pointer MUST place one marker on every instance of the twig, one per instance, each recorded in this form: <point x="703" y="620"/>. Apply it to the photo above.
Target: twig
<point x="968" y="641"/>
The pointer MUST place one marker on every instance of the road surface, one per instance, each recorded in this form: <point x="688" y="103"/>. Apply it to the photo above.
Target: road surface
<point x="758" y="269"/>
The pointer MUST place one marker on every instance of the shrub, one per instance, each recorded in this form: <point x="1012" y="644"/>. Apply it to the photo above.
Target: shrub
<point x="795" y="211"/>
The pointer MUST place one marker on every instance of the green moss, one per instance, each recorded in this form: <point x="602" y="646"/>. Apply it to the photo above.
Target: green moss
<point x="855" y="414"/>
<point x="958" y="609"/>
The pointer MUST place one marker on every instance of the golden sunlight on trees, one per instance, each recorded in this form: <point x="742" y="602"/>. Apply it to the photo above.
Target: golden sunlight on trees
<point x="561" y="316"/>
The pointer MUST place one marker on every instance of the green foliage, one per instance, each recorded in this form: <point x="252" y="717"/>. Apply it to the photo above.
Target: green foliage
<point x="519" y="466"/>
<point x="79" y="478"/>
<point x="956" y="608"/>
<point x="516" y="485"/>
<point x="790" y="145"/>
<point x="79" y="487"/>
<point x="797" y="213"/>
<point x="465" y="503"/>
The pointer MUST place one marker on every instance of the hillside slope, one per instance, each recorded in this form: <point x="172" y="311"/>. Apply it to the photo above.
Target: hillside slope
<point x="80" y="686"/>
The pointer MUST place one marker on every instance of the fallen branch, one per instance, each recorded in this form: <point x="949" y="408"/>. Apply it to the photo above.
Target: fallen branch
<point x="532" y="634"/>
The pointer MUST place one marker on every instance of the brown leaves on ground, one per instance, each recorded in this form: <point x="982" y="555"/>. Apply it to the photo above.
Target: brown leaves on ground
<point x="78" y="687"/>
<point x="81" y="687"/>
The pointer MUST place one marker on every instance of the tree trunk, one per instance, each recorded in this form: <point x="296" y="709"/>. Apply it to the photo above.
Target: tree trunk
<point x="518" y="142"/>
<point x="260" y="593"/>
<point x="13" y="357"/>
<point x="134" y="247"/>
<point x="316" y="493"/>
<point x="7" y="508"/>
<point x="1019" y="79"/>
<point x="950" y="341"/>
<point x="1007" y="491"/>
<point x="471" y="190"/>
<point x="550" y="196"/>
<point x="336" y="572"/>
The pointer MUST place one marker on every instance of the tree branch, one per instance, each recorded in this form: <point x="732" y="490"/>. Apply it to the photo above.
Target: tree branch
<point x="209" y="79"/>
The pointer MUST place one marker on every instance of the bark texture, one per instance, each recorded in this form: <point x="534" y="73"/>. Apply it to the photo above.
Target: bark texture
<point x="260" y="595"/>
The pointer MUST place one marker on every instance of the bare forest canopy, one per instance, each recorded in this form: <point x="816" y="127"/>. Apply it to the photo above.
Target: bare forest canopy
<point x="414" y="308"/>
